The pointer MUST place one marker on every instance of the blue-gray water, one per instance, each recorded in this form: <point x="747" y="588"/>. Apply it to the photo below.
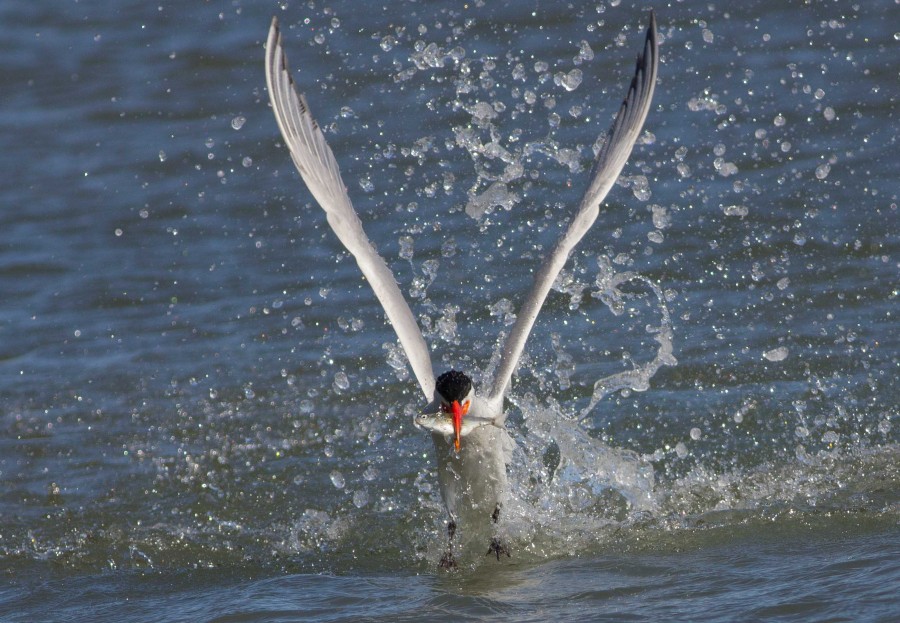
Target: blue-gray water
<point x="202" y="413"/>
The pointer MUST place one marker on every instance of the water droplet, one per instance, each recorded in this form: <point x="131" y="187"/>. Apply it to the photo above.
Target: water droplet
<point x="660" y="217"/>
<point x="569" y="81"/>
<point x="483" y="112"/>
<point x="337" y="479"/>
<point x="695" y="434"/>
<point x="448" y="248"/>
<point x="640" y="187"/>
<point x="823" y="170"/>
<point x="585" y="53"/>
<point x="406" y="248"/>
<point x="238" y="122"/>
<point x="735" y="210"/>
<point x="727" y="169"/>
<point x="341" y="382"/>
<point x="360" y="499"/>
<point x="776" y="354"/>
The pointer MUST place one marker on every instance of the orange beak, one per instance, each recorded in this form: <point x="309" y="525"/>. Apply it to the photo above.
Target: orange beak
<point x="458" y="411"/>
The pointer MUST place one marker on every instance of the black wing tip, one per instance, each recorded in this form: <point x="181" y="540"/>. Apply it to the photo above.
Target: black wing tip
<point x="282" y="62"/>
<point x="651" y="42"/>
<point x="641" y="66"/>
<point x="275" y="31"/>
<point x="275" y="39"/>
<point x="644" y="78"/>
<point x="652" y="37"/>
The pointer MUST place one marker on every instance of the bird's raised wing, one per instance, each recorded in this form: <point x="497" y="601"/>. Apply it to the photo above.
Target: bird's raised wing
<point x="314" y="160"/>
<point x="608" y="165"/>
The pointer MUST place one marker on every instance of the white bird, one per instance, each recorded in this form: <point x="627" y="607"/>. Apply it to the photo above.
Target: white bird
<point x="472" y="445"/>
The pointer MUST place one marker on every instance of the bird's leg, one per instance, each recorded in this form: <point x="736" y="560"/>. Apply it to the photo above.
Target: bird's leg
<point x="496" y="547"/>
<point x="447" y="560"/>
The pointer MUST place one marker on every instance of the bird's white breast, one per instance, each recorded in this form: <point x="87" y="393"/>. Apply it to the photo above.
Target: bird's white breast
<point x="473" y="480"/>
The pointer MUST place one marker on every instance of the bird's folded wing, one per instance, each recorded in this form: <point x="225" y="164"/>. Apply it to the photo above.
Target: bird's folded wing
<point x="316" y="163"/>
<point x="609" y="163"/>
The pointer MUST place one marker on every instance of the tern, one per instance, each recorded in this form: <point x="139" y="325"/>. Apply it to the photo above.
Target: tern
<point x="472" y="446"/>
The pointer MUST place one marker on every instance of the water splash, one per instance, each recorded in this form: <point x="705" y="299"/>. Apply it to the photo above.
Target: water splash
<point x="559" y="467"/>
<point x="637" y="379"/>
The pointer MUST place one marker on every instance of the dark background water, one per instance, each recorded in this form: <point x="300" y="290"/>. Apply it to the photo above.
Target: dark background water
<point x="201" y="415"/>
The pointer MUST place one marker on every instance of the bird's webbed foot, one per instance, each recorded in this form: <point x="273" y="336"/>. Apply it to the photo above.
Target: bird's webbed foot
<point x="447" y="560"/>
<point x="497" y="547"/>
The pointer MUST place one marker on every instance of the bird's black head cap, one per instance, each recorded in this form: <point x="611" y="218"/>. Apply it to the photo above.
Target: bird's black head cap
<point x="453" y="385"/>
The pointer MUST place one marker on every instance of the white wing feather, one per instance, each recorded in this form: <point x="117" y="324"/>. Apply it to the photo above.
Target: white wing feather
<point x="317" y="166"/>
<point x="609" y="163"/>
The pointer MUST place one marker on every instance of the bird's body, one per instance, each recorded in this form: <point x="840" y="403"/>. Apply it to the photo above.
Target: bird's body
<point x="474" y="486"/>
<point x="472" y="446"/>
<point x="473" y="481"/>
